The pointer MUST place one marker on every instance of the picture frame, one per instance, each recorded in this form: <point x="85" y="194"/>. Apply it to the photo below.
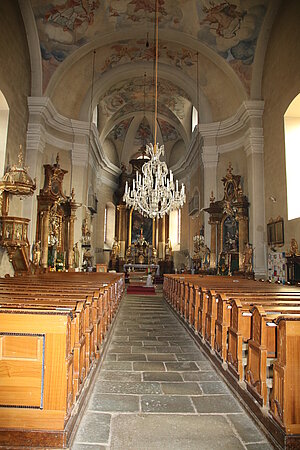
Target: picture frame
<point x="275" y="232"/>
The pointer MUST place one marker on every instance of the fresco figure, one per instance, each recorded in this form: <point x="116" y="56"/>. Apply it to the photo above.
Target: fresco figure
<point x="224" y="18"/>
<point x="72" y="14"/>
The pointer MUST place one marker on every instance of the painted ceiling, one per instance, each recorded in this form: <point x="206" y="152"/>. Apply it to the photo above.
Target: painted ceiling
<point x="121" y="32"/>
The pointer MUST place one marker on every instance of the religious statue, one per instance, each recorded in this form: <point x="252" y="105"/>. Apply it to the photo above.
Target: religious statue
<point x="76" y="255"/>
<point x="86" y="234"/>
<point x="141" y="239"/>
<point x="115" y="249"/>
<point x="294" y="247"/>
<point x="206" y="258"/>
<point x="168" y="250"/>
<point x="36" y="253"/>
<point x="248" y="258"/>
<point x="223" y="266"/>
<point x="87" y="261"/>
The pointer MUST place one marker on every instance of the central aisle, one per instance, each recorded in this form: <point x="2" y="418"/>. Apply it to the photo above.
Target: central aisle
<point x="157" y="390"/>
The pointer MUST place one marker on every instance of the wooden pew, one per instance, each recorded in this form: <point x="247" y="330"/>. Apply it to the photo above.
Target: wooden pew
<point x="38" y="314"/>
<point x="285" y="398"/>
<point x="228" y="314"/>
<point x="239" y="331"/>
<point x="261" y="346"/>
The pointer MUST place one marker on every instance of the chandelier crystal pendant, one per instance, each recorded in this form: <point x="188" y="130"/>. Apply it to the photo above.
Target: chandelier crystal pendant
<point x="153" y="193"/>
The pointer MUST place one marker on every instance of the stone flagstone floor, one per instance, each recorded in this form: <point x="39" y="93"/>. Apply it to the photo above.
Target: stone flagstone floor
<point x="157" y="390"/>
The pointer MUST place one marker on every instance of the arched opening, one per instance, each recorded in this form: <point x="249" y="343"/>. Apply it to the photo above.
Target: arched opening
<point x="292" y="156"/>
<point x="195" y="116"/>
<point x="175" y="229"/>
<point x="109" y="224"/>
<point x="4" y="114"/>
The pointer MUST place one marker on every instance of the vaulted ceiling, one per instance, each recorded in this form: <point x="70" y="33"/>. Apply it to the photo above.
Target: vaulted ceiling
<point x="212" y="45"/>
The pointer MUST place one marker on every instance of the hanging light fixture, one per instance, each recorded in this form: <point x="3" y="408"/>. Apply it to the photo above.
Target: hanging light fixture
<point x="154" y="192"/>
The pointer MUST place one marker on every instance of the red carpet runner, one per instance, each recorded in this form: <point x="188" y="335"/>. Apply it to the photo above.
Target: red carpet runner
<point x="140" y="290"/>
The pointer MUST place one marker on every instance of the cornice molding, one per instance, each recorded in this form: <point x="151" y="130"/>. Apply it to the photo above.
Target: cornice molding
<point x="44" y="121"/>
<point x="247" y="120"/>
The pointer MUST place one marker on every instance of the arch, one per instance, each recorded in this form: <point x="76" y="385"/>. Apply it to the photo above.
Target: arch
<point x="127" y="71"/>
<point x="195" y="119"/>
<point x="4" y="116"/>
<point x="292" y="156"/>
<point x="137" y="33"/>
<point x="175" y="229"/>
<point x="34" y="48"/>
<point x="260" y="52"/>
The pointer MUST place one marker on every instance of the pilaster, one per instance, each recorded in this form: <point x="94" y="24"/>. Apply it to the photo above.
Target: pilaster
<point x="210" y="158"/>
<point x="254" y="148"/>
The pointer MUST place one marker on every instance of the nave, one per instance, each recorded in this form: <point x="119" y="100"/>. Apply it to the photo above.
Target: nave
<point x="156" y="389"/>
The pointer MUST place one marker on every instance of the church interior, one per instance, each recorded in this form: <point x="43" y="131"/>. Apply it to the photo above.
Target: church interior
<point x="85" y="87"/>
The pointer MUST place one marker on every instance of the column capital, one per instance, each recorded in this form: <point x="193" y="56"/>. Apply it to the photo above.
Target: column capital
<point x="79" y="154"/>
<point x="210" y="157"/>
<point x="254" y="141"/>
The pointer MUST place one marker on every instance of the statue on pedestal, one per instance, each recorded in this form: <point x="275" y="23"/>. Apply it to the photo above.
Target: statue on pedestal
<point x="248" y="258"/>
<point x="76" y="255"/>
<point x="168" y="250"/>
<point x="86" y="234"/>
<point x="36" y="253"/>
<point x="294" y="247"/>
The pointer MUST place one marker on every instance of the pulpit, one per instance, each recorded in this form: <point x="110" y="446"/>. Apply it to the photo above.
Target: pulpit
<point x="14" y="230"/>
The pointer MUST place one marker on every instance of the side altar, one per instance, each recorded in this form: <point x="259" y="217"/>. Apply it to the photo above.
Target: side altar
<point x="230" y="250"/>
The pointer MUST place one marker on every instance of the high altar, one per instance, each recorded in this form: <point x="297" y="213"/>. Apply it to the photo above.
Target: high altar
<point x="139" y="240"/>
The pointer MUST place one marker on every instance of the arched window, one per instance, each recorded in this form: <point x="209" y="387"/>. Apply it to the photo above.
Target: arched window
<point x="175" y="229"/>
<point x="4" y="113"/>
<point x="194" y="118"/>
<point x="292" y="156"/>
<point x="95" y="116"/>
<point x="109" y="224"/>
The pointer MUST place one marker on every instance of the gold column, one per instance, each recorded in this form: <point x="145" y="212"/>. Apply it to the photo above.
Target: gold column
<point x="218" y="242"/>
<point x="44" y="237"/>
<point x="71" y="240"/>
<point x="130" y="227"/>
<point x="161" y="237"/>
<point x="167" y="217"/>
<point x="213" y="245"/>
<point x="243" y="239"/>
<point x="122" y="229"/>
<point x="153" y="233"/>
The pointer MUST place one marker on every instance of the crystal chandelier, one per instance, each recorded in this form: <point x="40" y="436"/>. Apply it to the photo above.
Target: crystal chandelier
<point x="153" y="193"/>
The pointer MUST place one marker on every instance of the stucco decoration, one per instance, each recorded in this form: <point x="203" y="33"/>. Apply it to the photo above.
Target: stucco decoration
<point x="230" y="28"/>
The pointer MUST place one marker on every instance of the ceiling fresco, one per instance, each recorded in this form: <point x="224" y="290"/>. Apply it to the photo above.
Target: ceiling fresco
<point x="128" y="97"/>
<point x="169" y="133"/>
<point x="230" y="28"/>
<point x="143" y="134"/>
<point x="119" y="131"/>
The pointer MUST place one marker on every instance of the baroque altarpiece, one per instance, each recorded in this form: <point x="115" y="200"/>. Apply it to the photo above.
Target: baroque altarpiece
<point x="55" y="220"/>
<point x="230" y="250"/>
<point x="139" y="240"/>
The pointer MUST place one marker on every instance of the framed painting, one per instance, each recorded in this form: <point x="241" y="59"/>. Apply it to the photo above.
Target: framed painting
<point x="275" y="232"/>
